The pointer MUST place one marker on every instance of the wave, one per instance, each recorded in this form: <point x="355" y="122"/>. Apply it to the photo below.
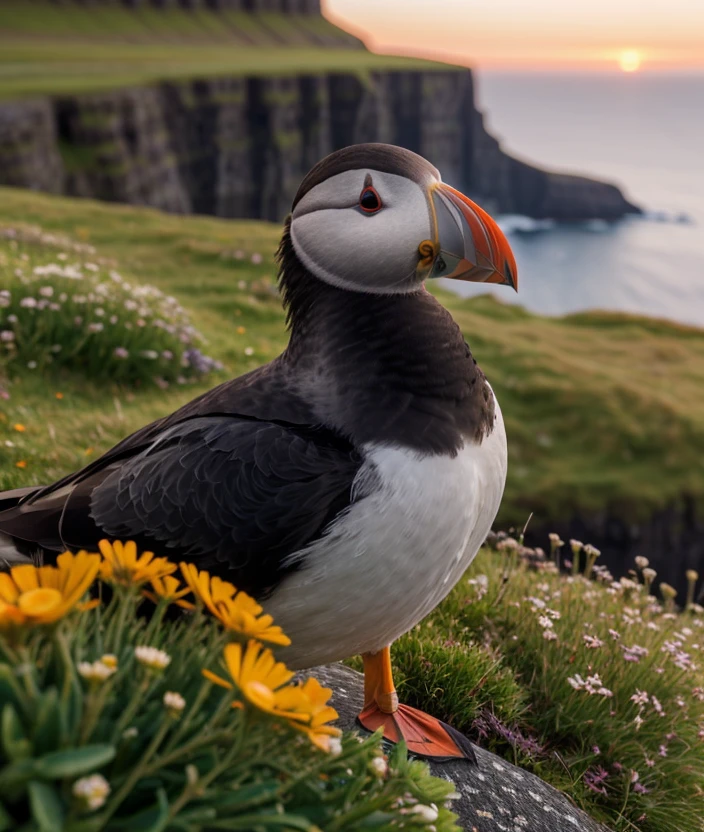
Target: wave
<point x="521" y="224"/>
<point x="679" y="218"/>
<point x="518" y="223"/>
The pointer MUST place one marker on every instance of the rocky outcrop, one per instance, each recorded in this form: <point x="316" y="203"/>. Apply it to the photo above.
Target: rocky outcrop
<point x="29" y="150"/>
<point x="237" y="147"/>
<point x="494" y="796"/>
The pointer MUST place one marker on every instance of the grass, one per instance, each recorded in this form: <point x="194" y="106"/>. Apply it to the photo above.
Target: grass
<point x="47" y="49"/>
<point x="601" y="409"/>
<point x="609" y="707"/>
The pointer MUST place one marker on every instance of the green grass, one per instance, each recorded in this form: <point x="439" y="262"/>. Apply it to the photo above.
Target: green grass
<point x="600" y="409"/>
<point x="481" y="662"/>
<point x="51" y="49"/>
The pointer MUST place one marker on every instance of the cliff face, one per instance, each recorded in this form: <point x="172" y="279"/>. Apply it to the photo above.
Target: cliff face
<point x="237" y="147"/>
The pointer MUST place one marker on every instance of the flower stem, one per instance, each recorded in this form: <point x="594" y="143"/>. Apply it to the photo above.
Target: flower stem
<point x="188" y="718"/>
<point x="131" y="709"/>
<point x="137" y="772"/>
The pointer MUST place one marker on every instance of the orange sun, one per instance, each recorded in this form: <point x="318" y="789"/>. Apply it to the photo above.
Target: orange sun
<point x="630" y="60"/>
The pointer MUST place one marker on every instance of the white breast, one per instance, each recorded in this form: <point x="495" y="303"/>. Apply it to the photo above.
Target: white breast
<point x="395" y="554"/>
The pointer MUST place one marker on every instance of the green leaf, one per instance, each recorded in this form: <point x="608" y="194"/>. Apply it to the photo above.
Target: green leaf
<point x="153" y="819"/>
<point x="376" y="820"/>
<point x="47" y="725"/>
<point x="94" y="824"/>
<point x="266" y="790"/>
<point x="15" y="743"/>
<point x="8" y="685"/>
<point x="6" y="822"/>
<point x="46" y="806"/>
<point x="74" y="761"/>
<point x="14" y="776"/>
<point x="249" y="822"/>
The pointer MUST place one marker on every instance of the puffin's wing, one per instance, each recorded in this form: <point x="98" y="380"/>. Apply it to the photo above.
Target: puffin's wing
<point x="234" y="495"/>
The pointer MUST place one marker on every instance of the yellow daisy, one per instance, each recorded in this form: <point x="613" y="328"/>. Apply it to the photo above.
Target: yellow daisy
<point x="169" y="589"/>
<point x="321" y="713"/>
<point x="264" y="683"/>
<point x="261" y="680"/>
<point x="121" y="565"/>
<point x="44" y="594"/>
<point x="236" y="610"/>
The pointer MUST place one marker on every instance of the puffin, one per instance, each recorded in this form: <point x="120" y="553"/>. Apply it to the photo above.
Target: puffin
<point x="347" y="484"/>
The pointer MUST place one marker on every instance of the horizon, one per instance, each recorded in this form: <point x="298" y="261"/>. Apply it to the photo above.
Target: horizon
<point x="626" y="37"/>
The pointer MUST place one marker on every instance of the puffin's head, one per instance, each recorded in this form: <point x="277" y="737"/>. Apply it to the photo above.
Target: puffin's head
<point x="377" y="218"/>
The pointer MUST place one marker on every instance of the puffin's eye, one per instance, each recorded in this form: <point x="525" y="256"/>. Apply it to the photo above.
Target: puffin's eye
<point x="369" y="200"/>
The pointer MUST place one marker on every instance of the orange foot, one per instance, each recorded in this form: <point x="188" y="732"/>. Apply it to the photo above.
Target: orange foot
<point x="424" y="735"/>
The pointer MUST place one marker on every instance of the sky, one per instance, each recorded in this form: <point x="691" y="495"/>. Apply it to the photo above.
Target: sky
<point x="533" y="34"/>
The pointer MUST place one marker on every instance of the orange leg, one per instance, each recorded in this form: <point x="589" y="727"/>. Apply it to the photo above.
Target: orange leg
<point x="424" y="735"/>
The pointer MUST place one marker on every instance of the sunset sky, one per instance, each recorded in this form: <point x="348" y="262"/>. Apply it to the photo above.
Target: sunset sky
<point x="534" y="34"/>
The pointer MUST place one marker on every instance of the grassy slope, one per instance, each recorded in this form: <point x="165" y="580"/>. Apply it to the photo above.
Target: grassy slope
<point x="599" y="407"/>
<point x="47" y="49"/>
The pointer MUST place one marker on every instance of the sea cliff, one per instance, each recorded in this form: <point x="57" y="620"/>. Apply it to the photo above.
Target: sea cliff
<point x="238" y="146"/>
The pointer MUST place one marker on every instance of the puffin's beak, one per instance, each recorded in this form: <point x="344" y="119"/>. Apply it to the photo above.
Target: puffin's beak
<point x="468" y="244"/>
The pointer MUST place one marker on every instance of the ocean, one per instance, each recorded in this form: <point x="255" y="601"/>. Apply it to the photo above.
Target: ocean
<point x="642" y="131"/>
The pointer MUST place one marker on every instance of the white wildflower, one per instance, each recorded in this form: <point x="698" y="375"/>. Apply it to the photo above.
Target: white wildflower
<point x="427" y="813"/>
<point x="174" y="702"/>
<point x="379" y="766"/>
<point x="92" y="791"/>
<point x="152" y="657"/>
<point x="95" y="671"/>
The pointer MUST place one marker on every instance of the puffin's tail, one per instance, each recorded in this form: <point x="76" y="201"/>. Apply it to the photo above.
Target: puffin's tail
<point x="15" y="551"/>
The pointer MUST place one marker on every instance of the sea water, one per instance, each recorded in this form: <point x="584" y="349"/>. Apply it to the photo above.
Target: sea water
<point x="642" y="131"/>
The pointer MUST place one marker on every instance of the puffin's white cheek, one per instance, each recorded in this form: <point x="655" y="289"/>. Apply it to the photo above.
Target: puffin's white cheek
<point x="344" y="247"/>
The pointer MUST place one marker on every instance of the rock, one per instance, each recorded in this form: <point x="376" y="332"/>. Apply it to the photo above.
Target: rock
<point x="495" y="796"/>
<point x="29" y="153"/>
<point x="238" y="147"/>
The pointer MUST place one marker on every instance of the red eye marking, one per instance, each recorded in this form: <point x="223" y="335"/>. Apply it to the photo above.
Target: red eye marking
<point x="369" y="200"/>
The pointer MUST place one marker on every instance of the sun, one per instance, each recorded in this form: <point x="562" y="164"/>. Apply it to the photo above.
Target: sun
<point x="629" y="60"/>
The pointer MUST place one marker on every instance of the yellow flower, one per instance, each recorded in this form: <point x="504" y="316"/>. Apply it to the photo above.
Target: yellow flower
<point x="19" y="428"/>
<point x="170" y="589"/>
<point x="43" y="594"/>
<point x="236" y="610"/>
<point x="321" y="713"/>
<point x="121" y="565"/>
<point x="261" y="679"/>
<point x="264" y="683"/>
